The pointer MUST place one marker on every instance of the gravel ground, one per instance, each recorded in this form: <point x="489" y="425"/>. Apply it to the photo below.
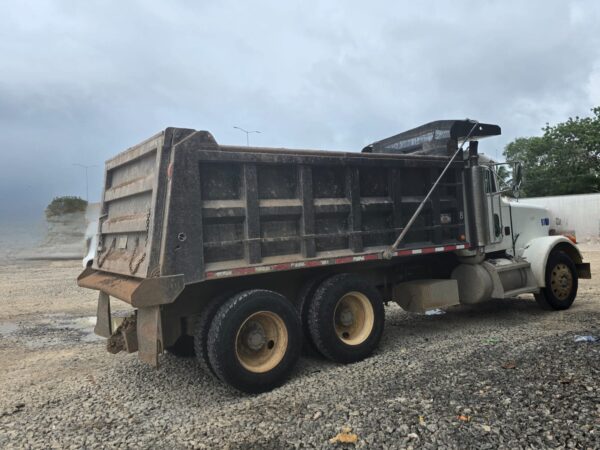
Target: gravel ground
<point x="502" y="375"/>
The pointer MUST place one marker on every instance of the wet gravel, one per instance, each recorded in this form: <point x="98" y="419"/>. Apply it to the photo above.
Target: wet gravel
<point x="502" y="375"/>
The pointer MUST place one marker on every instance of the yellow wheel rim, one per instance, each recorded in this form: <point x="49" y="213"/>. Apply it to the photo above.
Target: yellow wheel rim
<point x="561" y="281"/>
<point x="261" y="342"/>
<point x="353" y="318"/>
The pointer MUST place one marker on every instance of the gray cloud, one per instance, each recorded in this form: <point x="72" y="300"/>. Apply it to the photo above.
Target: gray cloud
<point x="80" y="81"/>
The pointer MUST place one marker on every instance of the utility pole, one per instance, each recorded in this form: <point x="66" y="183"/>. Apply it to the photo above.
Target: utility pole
<point x="247" y="134"/>
<point x="86" y="167"/>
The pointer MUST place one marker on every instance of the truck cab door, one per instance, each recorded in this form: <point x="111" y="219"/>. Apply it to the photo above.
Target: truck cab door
<point x="494" y="205"/>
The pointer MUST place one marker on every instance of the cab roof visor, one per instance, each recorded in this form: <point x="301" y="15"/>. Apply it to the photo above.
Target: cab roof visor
<point x="441" y="137"/>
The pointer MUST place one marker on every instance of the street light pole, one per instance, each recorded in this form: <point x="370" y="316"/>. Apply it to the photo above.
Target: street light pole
<point x="86" y="167"/>
<point x="247" y="134"/>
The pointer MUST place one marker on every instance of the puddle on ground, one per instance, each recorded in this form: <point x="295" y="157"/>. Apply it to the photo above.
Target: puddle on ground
<point x="85" y="325"/>
<point x="51" y="330"/>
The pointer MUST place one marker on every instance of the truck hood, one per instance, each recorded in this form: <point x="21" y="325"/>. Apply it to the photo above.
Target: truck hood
<point x="529" y="222"/>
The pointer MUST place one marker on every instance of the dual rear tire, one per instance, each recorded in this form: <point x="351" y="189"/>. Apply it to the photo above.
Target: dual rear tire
<point x="345" y="318"/>
<point x="253" y="340"/>
<point x="250" y="341"/>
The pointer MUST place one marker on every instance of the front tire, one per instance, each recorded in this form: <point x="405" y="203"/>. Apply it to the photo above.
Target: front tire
<point x="561" y="283"/>
<point x="346" y="318"/>
<point x="254" y="340"/>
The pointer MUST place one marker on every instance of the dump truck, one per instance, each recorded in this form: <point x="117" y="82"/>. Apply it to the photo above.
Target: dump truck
<point x="244" y="255"/>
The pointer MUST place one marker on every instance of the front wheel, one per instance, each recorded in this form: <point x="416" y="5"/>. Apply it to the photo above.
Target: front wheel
<point x="561" y="283"/>
<point x="254" y="340"/>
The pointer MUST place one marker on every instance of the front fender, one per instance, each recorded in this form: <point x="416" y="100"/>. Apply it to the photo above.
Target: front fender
<point x="537" y="250"/>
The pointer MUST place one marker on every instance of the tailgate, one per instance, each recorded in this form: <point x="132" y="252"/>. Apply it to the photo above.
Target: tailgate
<point x="128" y="214"/>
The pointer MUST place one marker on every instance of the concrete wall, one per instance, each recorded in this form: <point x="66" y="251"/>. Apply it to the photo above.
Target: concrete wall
<point x="580" y="213"/>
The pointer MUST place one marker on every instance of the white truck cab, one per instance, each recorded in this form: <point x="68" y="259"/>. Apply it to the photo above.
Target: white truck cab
<point x="517" y="254"/>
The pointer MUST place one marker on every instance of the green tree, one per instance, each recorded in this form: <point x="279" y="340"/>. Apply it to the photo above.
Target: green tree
<point x="564" y="160"/>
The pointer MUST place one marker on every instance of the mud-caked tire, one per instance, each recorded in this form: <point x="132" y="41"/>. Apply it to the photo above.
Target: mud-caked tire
<point x="561" y="283"/>
<point x="346" y="318"/>
<point x="254" y="340"/>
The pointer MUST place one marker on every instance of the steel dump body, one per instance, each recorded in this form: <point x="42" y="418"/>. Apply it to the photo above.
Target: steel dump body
<point x="180" y="204"/>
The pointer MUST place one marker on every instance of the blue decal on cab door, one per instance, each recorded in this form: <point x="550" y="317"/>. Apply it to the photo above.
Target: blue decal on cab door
<point x="546" y="221"/>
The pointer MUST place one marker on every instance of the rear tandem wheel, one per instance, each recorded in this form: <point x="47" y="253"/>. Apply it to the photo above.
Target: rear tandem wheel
<point x="346" y="318"/>
<point x="254" y="340"/>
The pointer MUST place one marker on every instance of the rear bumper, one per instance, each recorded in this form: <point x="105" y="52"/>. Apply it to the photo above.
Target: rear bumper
<point x="147" y="294"/>
<point x="138" y="292"/>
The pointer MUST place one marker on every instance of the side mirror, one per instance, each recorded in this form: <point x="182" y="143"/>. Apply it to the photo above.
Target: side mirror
<point x="517" y="176"/>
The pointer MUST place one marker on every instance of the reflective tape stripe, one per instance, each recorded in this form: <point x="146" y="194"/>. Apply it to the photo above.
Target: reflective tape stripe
<point x="328" y="261"/>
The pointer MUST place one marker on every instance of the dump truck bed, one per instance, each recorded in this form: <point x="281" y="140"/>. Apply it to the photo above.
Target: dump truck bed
<point x="179" y="203"/>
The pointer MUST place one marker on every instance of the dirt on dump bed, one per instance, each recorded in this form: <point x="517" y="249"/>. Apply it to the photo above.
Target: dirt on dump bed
<point x="501" y="375"/>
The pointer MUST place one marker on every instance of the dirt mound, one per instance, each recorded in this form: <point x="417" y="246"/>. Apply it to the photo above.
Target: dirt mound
<point x="68" y="235"/>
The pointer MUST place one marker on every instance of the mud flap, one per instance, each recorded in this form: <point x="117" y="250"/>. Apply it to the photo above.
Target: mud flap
<point x="103" y="319"/>
<point x="584" y="270"/>
<point x="149" y="335"/>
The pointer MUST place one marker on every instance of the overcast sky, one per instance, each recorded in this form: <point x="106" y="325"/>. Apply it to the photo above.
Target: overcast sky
<point x="83" y="80"/>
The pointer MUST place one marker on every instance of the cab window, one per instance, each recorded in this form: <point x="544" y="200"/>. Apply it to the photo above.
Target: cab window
<point x="489" y="181"/>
